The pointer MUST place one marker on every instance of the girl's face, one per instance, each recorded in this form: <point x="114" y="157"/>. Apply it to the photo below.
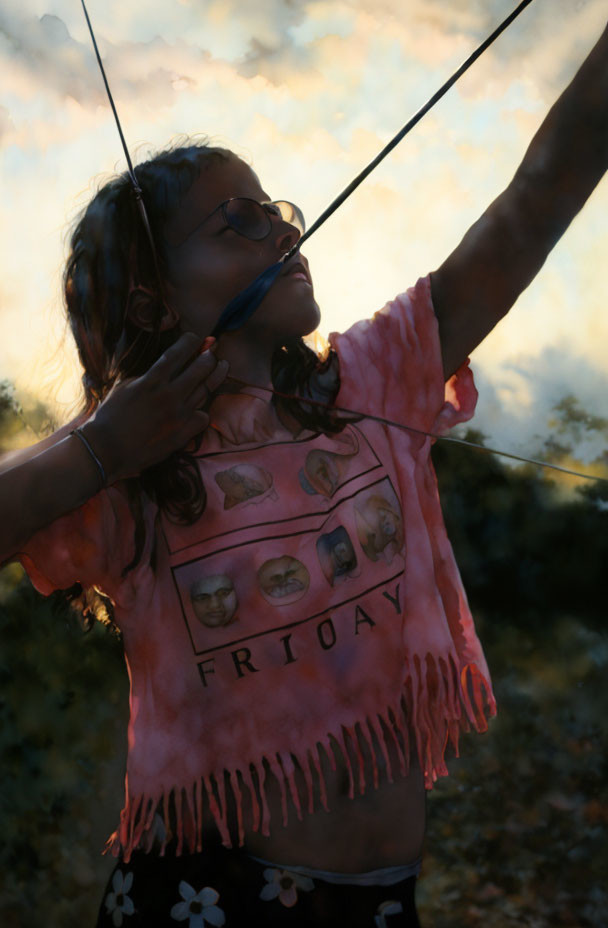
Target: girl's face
<point x="210" y="263"/>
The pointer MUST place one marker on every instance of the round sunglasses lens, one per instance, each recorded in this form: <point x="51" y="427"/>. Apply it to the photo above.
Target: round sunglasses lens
<point x="247" y="217"/>
<point x="292" y="214"/>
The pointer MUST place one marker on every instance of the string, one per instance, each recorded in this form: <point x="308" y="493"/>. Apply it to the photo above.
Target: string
<point x="244" y="304"/>
<point x="130" y="170"/>
<point x="305" y="400"/>
<point x="408" y="126"/>
<point x="242" y="307"/>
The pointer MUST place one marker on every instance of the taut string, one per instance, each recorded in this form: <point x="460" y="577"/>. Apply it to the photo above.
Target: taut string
<point x="244" y="304"/>
<point x="305" y="400"/>
<point x="239" y="310"/>
<point x="130" y="170"/>
<point x="408" y="126"/>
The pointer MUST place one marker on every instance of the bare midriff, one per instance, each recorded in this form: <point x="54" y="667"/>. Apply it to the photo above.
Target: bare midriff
<point x="382" y="827"/>
<point x="378" y="827"/>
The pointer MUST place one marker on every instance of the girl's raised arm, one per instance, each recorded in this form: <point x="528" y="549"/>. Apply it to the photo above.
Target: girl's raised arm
<point x="502" y="252"/>
<point x="140" y="423"/>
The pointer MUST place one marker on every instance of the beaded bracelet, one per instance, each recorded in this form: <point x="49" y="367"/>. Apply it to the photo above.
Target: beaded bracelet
<point x="102" y="473"/>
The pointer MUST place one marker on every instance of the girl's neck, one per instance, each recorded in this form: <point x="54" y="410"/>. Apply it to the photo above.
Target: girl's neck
<point x="249" y="360"/>
<point x="242" y="415"/>
<point x="244" y="411"/>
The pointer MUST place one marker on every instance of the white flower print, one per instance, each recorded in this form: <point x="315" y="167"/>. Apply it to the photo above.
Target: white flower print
<point x="198" y="907"/>
<point x="118" y="902"/>
<point x="390" y="907"/>
<point x="285" y="885"/>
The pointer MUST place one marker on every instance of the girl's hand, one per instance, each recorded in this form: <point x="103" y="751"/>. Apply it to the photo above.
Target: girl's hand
<point x="144" y="419"/>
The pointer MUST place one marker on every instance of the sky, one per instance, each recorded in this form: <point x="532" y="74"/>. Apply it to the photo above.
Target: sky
<point x="308" y="91"/>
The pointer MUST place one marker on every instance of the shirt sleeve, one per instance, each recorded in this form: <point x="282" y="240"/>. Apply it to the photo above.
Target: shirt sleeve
<point x="90" y="545"/>
<point x="391" y="365"/>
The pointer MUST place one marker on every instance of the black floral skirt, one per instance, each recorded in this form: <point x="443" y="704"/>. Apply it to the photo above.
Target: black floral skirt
<point x="227" y="887"/>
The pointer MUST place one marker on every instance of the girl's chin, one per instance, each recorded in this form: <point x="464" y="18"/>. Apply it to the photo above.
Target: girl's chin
<point x="306" y="318"/>
<point x="283" y="320"/>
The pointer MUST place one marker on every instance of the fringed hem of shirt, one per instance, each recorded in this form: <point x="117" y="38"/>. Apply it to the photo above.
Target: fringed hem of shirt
<point x="439" y="704"/>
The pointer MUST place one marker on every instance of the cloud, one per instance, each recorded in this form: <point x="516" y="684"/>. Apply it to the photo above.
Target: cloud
<point x="40" y="52"/>
<point x="516" y="410"/>
<point x="263" y="30"/>
<point x="40" y="57"/>
<point x="6" y="122"/>
<point x="543" y="46"/>
<point x="371" y="63"/>
<point x="309" y="90"/>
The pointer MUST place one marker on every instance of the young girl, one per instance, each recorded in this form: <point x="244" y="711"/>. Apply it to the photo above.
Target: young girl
<point x="300" y="650"/>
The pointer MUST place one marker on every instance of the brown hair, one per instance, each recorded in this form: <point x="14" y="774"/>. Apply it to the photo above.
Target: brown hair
<point x="110" y="255"/>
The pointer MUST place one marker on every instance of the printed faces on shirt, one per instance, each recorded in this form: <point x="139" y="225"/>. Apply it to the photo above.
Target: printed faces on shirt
<point x="379" y="524"/>
<point x="245" y="483"/>
<point x="325" y="471"/>
<point x="284" y="533"/>
<point x="214" y="600"/>
<point x="283" y="580"/>
<point x="337" y="556"/>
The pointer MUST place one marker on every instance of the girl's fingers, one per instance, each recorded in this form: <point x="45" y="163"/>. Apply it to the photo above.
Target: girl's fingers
<point x="198" y="422"/>
<point x="217" y="376"/>
<point x="198" y="371"/>
<point x="202" y="391"/>
<point x="172" y="362"/>
<point x="199" y="397"/>
<point x="206" y="370"/>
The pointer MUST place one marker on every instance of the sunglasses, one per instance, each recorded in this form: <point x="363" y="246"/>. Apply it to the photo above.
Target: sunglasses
<point x="254" y="220"/>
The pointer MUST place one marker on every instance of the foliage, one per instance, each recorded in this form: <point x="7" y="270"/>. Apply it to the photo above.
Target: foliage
<point x="525" y="547"/>
<point x="571" y="420"/>
<point x="23" y="420"/>
<point x="63" y="705"/>
<point x="517" y="833"/>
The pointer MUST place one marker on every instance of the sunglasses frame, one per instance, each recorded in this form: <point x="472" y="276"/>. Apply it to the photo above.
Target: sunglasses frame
<point x="296" y="213"/>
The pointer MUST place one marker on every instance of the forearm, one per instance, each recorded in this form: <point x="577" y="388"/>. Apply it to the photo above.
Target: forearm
<point x="504" y="250"/>
<point x="42" y="488"/>
<point x="569" y="154"/>
<point x="140" y="423"/>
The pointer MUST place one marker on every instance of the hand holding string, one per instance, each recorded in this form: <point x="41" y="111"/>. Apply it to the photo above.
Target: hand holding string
<point x="145" y="419"/>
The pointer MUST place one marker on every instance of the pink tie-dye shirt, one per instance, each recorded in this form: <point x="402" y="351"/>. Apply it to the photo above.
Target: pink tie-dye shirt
<point x="318" y="592"/>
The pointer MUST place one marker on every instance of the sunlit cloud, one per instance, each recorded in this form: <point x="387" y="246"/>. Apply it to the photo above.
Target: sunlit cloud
<point x="308" y="91"/>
